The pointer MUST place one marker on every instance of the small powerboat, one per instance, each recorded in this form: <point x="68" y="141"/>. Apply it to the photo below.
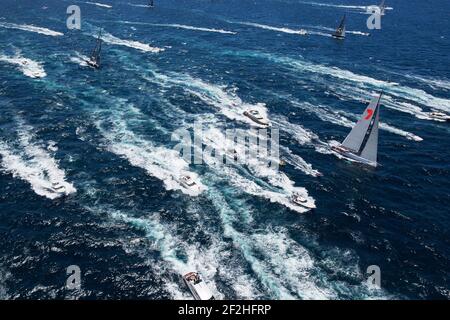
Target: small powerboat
<point x="188" y="182"/>
<point x="197" y="286"/>
<point x="300" y="200"/>
<point x="58" y="188"/>
<point x="257" y="117"/>
<point x="439" y="116"/>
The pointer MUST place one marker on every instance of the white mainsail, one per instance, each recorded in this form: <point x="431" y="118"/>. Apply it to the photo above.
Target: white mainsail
<point x="363" y="139"/>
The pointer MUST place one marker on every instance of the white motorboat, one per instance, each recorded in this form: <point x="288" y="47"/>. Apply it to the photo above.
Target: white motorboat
<point x="257" y="117"/>
<point x="439" y="116"/>
<point x="197" y="286"/>
<point x="302" y="201"/>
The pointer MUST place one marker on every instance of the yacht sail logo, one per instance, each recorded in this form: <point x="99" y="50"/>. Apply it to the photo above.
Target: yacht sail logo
<point x="374" y="20"/>
<point x="369" y="114"/>
<point x="74" y="19"/>
<point x="74" y="280"/>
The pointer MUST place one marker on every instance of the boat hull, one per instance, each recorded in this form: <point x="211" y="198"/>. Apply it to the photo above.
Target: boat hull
<point x="256" y="120"/>
<point x="353" y="157"/>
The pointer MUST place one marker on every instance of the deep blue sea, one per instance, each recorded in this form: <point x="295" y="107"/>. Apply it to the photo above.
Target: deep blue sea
<point x="105" y="135"/>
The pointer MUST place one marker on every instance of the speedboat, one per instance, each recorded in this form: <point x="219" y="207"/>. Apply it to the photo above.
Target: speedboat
<point x="57" y="187"/>
<point x="440" y="116"/>
<point x="197" y="286"/>
<point x="300" y="200"/>
<point x="361" y="144"/>
<point x="257" y="117"/>
<point x="188" y="182"/>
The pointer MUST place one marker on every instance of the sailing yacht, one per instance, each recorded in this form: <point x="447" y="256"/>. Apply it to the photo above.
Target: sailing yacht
<point x="94" y="59"/>
<point x="151" y="4"/>
<point x="340" y="31"/>
<point x="361" y="144"/>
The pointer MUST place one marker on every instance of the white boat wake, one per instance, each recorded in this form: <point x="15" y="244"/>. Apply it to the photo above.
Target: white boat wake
<point x="272" y="28"/>
<point x="186" y="27"/>
<point x="159" y="162"/>
<point x="31" y="28"/>
<point x="80" y="59"/>
<point x="28" y="67"/>
<point x="361" y="82"/>
<point x="102" y="5"/>
<point x="33" y="163"/>
<point x="109" y="38"/>
<point x="361" y="9"/>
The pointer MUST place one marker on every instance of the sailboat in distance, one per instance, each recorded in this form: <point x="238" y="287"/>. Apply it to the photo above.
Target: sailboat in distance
<point x="94" y="59"/>
<point x="151" y="4"/>
<point x="340" y="31"/>
<point x="361" y="144"/>
<point x="382" y="7"/>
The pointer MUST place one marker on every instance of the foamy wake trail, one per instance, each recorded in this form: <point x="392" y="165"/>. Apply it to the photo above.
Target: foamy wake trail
<point x="363" y="82"/>
<point x="138" y="5"/>
<point x="359" y="33"/>
<point x="386" y="127"/>
<point x="28" y="67"/>
<point x="102" y="5"/>
<point x="286" y="269"/>
<point x="163" y="240"/>
<point x="272" y="28"/>
<point x="361" y="9"/>
<point x="227" y="102"/>
<point x="159" y="162"/>
<point x="30" y="28"/>
<point x="182" y="26"/>
<point x="282" y="266"/>
<point x="80" y="59"/>
<point x="206" y="258"/>
<point x="342" y="118"/>
<point x="109" y="38"/>
<point x="299" y="163"/>
<point x="280" y="187"/>
<point x="32" y="163"/>
<point x="434" y="83"/>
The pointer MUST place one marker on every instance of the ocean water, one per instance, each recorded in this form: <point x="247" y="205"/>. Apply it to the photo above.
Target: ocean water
<point x="106" y="136"/>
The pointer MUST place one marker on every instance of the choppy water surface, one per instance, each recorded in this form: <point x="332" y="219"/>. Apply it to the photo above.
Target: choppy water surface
<point x="106" y="137"/>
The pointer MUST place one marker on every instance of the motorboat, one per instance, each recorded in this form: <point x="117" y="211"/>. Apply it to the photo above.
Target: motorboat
<point x="257" y="117"/>
<point x="302" y="201"/>
<point x="197" y="286"/>
<point x="439" y="116"/>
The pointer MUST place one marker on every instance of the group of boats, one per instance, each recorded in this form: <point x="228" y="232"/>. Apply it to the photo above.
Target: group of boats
<point x="340" y="30"/>
<point x="360" y="145"/>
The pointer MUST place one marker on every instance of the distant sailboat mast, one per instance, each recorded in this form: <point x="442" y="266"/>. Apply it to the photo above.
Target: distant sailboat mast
<point x="382" y="7"/>
<point x="340" y="31"/>
<point x="94" y="60"/>
<point x="98" y="48"/>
